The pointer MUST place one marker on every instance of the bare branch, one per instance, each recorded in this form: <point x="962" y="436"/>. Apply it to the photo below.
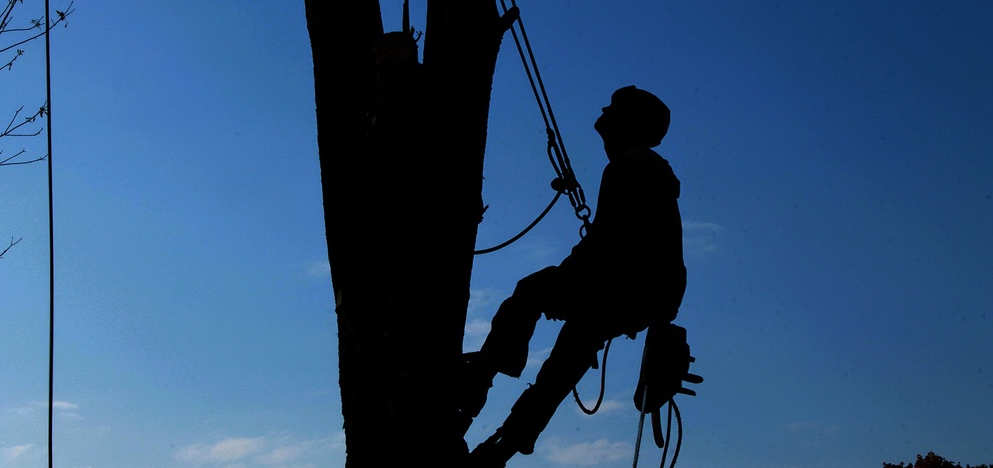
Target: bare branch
<point x="35" y="24"/>
<point x="6" y="13"/>
<point x="12" y="157"/>
<point x="17" y="120"/>
<point x="12" y="128"/>
<point x="7" y="161"/>
<point x="62" y="16"/>
<point x="18" y="111"/>
<point x="38" y="132"/>
<point x="9" y="245"/>
<point x="9" y="65"/>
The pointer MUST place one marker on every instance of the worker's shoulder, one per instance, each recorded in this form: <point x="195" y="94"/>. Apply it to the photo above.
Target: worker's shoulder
<point x="646" y="159"/>
<point x="652" y="169"/>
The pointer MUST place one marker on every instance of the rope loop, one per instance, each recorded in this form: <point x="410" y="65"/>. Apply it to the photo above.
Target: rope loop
<point x="523" y="231"/>
<point x="603" y="381"/>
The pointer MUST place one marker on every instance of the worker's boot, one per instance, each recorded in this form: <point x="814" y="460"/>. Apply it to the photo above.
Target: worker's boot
<point x="477" y="378"/>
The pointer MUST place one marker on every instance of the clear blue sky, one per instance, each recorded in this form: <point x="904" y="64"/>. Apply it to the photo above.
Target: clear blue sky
<point x="836" y="174"/>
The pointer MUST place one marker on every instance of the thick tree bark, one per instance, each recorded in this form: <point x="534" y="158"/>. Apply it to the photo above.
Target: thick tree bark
<point x="401" y="166"/>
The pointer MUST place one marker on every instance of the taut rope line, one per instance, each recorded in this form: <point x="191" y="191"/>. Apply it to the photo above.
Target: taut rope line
<point x="51" y="233"/>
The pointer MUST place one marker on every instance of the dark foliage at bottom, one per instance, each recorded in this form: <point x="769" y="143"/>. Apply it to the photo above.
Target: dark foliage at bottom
<point x="932" y="461"/>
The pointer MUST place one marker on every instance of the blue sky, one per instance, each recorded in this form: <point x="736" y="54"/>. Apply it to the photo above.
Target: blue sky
<point x="836" y="196"/>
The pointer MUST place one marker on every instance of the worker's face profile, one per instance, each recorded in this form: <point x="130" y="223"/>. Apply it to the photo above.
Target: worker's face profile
<point x="602" y="122"/>
<point x="607" y="124"/>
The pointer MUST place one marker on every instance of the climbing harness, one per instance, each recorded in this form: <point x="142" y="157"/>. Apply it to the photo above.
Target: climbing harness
<point x="565" y="179"/>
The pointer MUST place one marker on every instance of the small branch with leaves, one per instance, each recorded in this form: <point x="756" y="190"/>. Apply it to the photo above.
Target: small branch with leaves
<point x="12" y="131"/>
<point x="15" y="126"/>
<point x="36" y="23"/>
<point x="20" y="125"/>
<point x="10" y="64"/>
<point x="12" y="128"/>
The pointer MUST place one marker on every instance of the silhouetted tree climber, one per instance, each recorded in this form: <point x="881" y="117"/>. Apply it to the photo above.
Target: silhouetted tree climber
<point x="626" y="275"/>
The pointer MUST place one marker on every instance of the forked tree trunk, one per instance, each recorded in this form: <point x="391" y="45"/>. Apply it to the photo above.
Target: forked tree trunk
<point x="401" y="168"/>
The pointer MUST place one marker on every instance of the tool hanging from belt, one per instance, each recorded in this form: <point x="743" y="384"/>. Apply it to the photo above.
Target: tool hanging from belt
<point x="665" y="365"/>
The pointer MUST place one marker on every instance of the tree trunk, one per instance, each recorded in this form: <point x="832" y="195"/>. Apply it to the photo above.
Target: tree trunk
<point x="401" y="166"/>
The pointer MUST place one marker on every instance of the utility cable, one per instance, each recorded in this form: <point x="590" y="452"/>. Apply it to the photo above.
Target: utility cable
<point x="51" y="235"/>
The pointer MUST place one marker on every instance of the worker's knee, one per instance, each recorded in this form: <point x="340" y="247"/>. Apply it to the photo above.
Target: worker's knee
<point x="537" y="283"/>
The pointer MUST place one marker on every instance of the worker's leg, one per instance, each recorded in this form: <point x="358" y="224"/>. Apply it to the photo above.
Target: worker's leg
<point x="573" y="353"/>
<point x="506" y="347"/>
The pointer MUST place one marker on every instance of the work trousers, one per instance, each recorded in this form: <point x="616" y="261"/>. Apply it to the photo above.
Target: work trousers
<point x="555" y="292"/>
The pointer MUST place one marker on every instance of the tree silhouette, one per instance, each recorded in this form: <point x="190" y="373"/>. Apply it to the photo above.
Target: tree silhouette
<point x="22" y="123"/>
<point x="401" y="152"/>
<point x="932" y="461"/>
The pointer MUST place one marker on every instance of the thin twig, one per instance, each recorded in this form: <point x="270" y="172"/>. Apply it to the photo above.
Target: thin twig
<point x="12" y="157"/>
<point x="6" y="13"/>
<point x="18" y="111"/>
<point x="11" y="128"/>
<point x="11" y="244"/>
<point x="16" y="163"/>
<point x="10" y="65"/>
<point x="35" y="24"/>
<point x="24" y="134"/>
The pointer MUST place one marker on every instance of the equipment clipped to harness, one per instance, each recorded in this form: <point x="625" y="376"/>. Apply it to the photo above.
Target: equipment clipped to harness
<point x="565" y="179"/>
<point x="665" y="365"/>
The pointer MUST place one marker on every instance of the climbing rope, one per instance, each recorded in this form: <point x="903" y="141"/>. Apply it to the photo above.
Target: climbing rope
<point x="557" y="154"/>
<point x="603" y="381"/>
<point x="565" y="179"/>
<point x="523" y="231"/>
